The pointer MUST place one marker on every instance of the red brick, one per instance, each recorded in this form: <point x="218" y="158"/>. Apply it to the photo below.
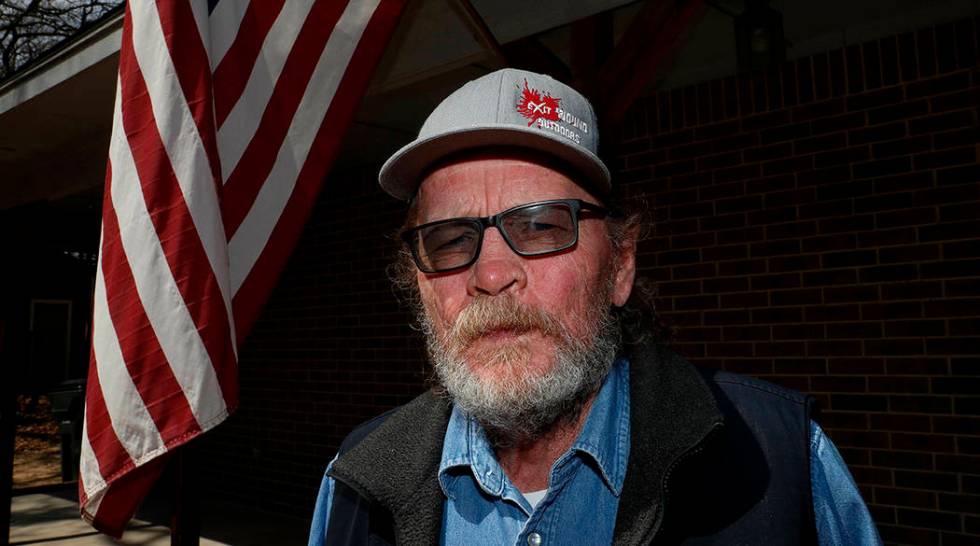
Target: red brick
<point x="832" y="313"/>
<point x="859" y="366"/>
<point x="906" y="365"/>
<point x="843" y="420"/>
<point x="831" y="277"/>
<point x="777" y="315"/>
<point x="781" y="264"/>
<point x="915" y="328"/>
<point x="958" y="288"/>
<point x="945" y="158"/>
<point x="936" y="86"/>
<point x="745" y="333"/>
<point x="894" y="347"/>
<point x="956" y="137"/>
<point x="850" y="120"/>
<point x="902" y="182"/>
<point x="882" y="167"/>
<point x="718" y="191"/>
<point x="887" y="201"/>
<point x="745" y="299"/>
<point x="859" y="402"/>
<point x="935" y="481"/>
<point x="799" y="331"/>
<point x="940" y="122"/>
<point x="903" y="146"/>
<point x="964" y="424"/>
<point x="877" y="133"/>
<point x="905" y="497"/>
<point x="898" y="384"/>
<point x="929" y="519"/>
<point x="902" y="459"/>
<point x="728" y="252"/>
<point x="783" y="365"/>
<point x="912" y="290"/>
<point x="852" y="330"/>
<point x="908" y="253"/>
<point x="955" y="101"/>
<point x="822" y="143"/>
<point x="949" y="230"/>
<point x="838" y="384"/>
<point x="957" y="539"/>
<point x="957" y="463"/>
<point x="926" y="49"/>
<point x="920" y="403"/>
<point x="753" y="366"/>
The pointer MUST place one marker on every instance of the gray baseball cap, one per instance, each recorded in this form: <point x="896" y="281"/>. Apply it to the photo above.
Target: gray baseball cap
<point x="505" y="108"/>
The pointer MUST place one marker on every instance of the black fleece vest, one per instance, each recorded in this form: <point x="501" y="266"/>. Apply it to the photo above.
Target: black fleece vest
<point x="715" y="458"/>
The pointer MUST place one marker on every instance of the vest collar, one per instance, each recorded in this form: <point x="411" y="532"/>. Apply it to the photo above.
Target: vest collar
<point x="396" y="466"/>
<point x="672" y="412"/>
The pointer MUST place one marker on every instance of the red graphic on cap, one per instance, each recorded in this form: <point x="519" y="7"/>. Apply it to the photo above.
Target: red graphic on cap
<point x="533" y="105"/>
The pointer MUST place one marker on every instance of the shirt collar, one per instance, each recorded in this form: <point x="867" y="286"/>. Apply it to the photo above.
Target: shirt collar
<point x="606" y="433"/>
<point x="605" y="438"/>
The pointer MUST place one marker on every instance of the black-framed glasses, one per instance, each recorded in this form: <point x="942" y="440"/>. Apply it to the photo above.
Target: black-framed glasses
<point x="529" y="230"/>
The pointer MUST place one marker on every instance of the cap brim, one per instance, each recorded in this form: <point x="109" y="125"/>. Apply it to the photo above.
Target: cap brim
<point x="401" y="175"/>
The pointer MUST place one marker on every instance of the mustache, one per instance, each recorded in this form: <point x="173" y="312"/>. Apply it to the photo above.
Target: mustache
<point x="488" y="314"/>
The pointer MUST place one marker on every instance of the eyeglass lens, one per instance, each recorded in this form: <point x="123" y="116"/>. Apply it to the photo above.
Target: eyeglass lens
<point x="535" y="229"/>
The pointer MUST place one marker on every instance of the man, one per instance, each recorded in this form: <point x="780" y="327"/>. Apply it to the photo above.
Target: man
<point x="556" y="419"/>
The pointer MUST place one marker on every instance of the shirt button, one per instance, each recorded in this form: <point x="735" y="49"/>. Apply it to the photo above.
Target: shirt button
<point x="534" y="539"/>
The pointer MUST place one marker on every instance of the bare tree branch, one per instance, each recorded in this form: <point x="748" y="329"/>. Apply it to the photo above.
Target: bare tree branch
<point x="28" y="28"/>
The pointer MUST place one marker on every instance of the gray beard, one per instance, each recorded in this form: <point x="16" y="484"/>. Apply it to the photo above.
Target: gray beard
<point x="520" y="407"/>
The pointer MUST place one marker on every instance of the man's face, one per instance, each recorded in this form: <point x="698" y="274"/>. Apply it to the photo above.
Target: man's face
<point x="561" y="299"/>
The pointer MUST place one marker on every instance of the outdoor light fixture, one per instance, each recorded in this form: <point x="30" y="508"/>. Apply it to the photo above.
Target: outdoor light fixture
<point x="759" y="40"/>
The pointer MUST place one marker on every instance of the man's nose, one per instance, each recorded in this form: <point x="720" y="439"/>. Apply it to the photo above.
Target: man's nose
<point x="498" y="269"/>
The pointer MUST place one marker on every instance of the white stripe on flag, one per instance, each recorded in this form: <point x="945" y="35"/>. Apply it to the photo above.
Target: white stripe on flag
<point x="255" y="230"/>
<point x="224" y="23"/>
<point x="158" y="292"/>
<point x="89" y="465"/>
<point x="183" y="143"/>
<point x="129" y="417"/>
<point x="244" y="118"/>
<point x="94" y="500"/>
<point x="200" y="10"/>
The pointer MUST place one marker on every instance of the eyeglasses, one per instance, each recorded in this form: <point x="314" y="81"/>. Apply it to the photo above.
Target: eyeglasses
<point x="529" y="230"/>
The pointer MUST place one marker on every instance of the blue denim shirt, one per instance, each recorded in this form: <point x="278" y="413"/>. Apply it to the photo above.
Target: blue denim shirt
<point x="482" y="506"/>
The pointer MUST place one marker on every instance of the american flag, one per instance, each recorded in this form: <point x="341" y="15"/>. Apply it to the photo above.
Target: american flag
<point x="227" y="117"/>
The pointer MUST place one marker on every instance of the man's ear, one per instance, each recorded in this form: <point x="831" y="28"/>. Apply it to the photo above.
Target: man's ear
<point x="625" y="266"/>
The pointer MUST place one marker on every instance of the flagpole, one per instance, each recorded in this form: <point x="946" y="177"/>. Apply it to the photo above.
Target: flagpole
<point x="185" y="521"/>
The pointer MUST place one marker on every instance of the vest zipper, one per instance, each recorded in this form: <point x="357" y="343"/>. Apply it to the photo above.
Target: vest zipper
<point x="665" y="483"/>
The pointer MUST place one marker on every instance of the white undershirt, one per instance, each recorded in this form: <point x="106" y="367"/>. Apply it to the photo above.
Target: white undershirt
<point x="534" y="497"/>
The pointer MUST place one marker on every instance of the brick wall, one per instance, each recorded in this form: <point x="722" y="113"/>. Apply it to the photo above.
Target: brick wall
<point x="332" y="349"/>
<point x="816" y="226"/>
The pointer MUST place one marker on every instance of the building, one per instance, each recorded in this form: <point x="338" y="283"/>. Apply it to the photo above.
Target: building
<point x="816" y="225"/>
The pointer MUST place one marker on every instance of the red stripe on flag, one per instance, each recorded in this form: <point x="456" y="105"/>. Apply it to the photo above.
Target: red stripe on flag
<point x="261" y="279"/>
<point x="174" y="226"/>
<point x="106" y="447"/>
<point x="151" y="373"/>
<point x="245" y="181"/>
<point x="236" y="66"/>
<point x="190" y="60"/>
<point x="120" y="501"/>
<point x="82" y="497"/>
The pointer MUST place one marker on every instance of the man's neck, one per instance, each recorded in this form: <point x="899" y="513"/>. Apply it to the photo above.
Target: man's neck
<point x="528" y="464"/>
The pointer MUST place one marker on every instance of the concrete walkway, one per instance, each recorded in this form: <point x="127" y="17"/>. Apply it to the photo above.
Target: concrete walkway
<point x="51" y="520"/>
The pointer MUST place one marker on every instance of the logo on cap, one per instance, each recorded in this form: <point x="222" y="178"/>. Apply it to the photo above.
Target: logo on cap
<point x="533" y="105"/>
